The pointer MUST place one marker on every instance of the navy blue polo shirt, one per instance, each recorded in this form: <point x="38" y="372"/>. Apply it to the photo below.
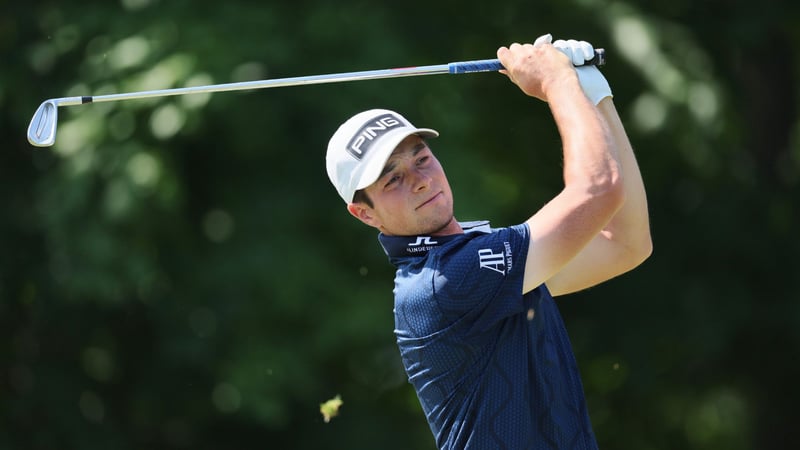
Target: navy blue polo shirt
<point x="493" y="368"/>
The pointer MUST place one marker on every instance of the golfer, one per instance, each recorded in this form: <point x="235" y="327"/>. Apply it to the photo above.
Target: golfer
<point x="479" y="334"/>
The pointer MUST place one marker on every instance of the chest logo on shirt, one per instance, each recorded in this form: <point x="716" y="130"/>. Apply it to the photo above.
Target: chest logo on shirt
<point x="497" y="262"/>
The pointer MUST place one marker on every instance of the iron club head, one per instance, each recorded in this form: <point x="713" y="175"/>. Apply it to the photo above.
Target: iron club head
<point x="42" y="130"/>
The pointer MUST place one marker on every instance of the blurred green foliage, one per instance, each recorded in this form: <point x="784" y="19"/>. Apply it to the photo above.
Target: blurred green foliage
<point x="178" y="273"/>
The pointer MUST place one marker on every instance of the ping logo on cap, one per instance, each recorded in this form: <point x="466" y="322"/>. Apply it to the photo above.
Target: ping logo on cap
<point x="368" y="134"/>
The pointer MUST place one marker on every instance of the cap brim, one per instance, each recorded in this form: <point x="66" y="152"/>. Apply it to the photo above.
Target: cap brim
<point x="378" y="157"/>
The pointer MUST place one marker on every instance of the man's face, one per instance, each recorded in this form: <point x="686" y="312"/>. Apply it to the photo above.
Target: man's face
<point x="412" y="195"/>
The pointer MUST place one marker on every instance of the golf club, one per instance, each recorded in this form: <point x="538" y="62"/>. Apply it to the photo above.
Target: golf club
<point x="42" y="129"/>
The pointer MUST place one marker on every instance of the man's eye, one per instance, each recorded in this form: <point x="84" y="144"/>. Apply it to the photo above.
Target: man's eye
<point x="392" y="180"/>
<point x="422" y="160"/>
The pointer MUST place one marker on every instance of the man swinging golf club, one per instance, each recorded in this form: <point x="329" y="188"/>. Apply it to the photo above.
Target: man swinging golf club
<point x="480" y="336"/>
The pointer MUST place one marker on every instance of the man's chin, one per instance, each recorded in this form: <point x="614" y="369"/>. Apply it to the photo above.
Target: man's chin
<point x="440" y="228"/>
<point x="426" y="227"/>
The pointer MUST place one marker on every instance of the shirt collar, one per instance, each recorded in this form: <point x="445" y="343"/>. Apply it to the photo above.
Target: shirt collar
<point x="415" y="246"/>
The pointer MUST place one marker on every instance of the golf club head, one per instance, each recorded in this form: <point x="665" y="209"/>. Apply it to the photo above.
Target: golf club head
<point x="42" y="130"/>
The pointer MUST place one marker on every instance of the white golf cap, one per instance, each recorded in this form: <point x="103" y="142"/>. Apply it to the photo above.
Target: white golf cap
<point x="360" y="147"/>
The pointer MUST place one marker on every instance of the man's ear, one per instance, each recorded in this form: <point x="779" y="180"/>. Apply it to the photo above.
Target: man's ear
<point x="363" y="213"/>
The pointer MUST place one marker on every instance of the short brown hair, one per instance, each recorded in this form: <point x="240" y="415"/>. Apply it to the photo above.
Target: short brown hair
<point x="361" y="197"/>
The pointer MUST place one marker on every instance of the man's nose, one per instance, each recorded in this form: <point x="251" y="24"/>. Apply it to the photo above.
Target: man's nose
<point x="422" y="181"/>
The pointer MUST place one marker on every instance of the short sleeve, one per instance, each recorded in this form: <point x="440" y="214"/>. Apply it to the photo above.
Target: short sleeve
<point x="482" y="279"/>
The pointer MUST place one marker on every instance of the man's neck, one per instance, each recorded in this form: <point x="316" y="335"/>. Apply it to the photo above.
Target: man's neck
<point x="452" y="227"/>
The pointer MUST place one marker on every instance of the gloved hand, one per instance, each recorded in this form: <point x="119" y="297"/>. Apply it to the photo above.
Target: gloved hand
<point x="594" y="84"/>
<point x="577" y="51"/>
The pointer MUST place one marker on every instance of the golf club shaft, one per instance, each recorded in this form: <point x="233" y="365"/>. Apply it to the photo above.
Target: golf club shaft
<point x="260" y="84"/>
<point x="486" y="65"/>
<point x="42" y="129"/>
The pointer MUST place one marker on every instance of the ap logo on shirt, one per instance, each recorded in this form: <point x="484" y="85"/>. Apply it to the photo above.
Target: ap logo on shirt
<point x="498" y="262"/>
<point x="493" y="261"/>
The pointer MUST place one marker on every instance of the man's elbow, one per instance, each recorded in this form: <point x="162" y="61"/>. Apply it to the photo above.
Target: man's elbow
<point x="645" y="249"/>
<point x="640" y="250"/>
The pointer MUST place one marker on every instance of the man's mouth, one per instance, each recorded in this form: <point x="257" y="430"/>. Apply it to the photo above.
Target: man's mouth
<point x="430" y="200"/>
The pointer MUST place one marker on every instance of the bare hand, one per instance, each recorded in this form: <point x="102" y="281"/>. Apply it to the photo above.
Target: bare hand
<point x="537" y="67"/>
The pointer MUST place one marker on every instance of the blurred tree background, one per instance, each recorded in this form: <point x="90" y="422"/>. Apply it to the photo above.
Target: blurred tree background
<point x="178" y="273"/>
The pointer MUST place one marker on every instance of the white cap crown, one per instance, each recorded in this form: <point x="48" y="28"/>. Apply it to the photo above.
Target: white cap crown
<point x="361" y="146"/>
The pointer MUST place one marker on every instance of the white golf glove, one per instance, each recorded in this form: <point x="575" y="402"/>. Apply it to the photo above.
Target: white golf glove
<point x="543" y="39"/>
<point x="594" y="84"/>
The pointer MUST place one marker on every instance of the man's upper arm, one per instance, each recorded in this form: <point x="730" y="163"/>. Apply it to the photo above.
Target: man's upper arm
<point x="567" y="254"/>
<point x="601" y="260"/>
<point x="561" y="230"/>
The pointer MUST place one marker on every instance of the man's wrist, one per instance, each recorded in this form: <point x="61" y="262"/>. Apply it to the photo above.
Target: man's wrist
<point x="563" y="87"/>
<point x="593" y="83"/>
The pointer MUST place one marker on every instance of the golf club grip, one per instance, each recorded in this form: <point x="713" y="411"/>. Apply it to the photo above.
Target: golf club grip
<point x="493" y="65"/>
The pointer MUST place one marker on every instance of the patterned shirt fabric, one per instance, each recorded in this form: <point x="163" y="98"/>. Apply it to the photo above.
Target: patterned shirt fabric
<point x="493" y="368"/>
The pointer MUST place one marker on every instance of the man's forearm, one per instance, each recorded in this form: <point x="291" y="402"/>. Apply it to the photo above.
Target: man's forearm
<point x="589" y="149"/>
<point x="631" y="224"/>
